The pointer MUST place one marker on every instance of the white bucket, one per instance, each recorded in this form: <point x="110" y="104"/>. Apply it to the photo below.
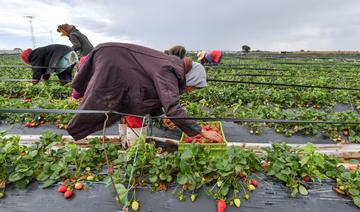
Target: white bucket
<point x="122" y="134"/>
<point x="127" y="135"/>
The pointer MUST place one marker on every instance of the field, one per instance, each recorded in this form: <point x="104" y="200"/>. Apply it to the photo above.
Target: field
<point x="293" y="95"/>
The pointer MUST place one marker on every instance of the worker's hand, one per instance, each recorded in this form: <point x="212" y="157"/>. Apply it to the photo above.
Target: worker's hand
<point x="212" y="135"/>
<point x="167" y="123"/>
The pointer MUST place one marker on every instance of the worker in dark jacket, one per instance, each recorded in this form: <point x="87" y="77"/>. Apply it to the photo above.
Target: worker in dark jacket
<point x="136" y="80"/>
<point x="48" y="59"/>
<point x="178" y="50"/>
<point x="79" y="41"/>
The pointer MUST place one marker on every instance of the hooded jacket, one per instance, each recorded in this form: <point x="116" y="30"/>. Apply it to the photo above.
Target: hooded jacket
<point x="49" y="56"/>
<point x="131" y="79"/>
<point x="80" y="42"/>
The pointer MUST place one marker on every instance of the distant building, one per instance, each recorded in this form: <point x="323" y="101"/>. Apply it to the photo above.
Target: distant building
<point x="14" y="51"/>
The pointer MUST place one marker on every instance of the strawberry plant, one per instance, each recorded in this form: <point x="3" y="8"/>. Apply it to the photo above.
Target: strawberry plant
<point x="348" y="183"/>
<point x="193" y="166"/>
<point x="231" y="173"/>
<point x="162" y="169"/>
<point x="296" y="171"/>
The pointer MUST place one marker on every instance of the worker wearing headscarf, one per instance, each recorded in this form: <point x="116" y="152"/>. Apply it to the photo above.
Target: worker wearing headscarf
<point x="56" y="58"/>
<point x="178" y="50"/>
<point x="79" y="41"/>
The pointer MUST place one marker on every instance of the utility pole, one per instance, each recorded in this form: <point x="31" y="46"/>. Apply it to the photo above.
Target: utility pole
<point x="31" y="30"/>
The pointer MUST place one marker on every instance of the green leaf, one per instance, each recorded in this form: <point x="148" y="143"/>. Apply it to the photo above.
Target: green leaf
<point x="303" y="190"/>
<point x="28" y="173"/>
<point x="47" y="183"/>
<point x="281" y="177"/>
<point x="271" y="172"/>
<point x="153" y="179"/>
<point x="42" y="176"/>
<point x="122" y="191"/>
<point x="354" y="192"/>
<point x="15" y="177"/>
<point x="181" y="179"/>
<point x="304" y="160"/>
<point x="22" y="183"/>
<point x="187" y="154"/>
<point x="33" y="153"/>
<point x="357" y="200"/>
<point x="162" y="176"/>
<point x="294" y="192"/>
<point x="224" y="190"/>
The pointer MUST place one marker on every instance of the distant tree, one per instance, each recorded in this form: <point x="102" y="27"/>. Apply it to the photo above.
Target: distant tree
<point x="246" y="48"/>
<point x="18" y="50"/>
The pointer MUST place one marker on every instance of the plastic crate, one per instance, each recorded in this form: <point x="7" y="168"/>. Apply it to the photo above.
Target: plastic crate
<point x="214" y="148"/>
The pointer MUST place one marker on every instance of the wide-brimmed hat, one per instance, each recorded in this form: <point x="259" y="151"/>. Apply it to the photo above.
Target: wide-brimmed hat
<point x="201" y="55"/>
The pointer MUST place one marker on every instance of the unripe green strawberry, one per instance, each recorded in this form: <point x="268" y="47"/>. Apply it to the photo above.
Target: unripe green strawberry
<point x="135" y="205"/>
<point x="193" y="197"/>
<point x="181" y="197"/>
<point x="237" y="202"/>
<point x="251" y="187"/>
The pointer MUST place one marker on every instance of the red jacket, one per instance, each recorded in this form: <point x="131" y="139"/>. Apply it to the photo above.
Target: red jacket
<point x="216" y="56"/>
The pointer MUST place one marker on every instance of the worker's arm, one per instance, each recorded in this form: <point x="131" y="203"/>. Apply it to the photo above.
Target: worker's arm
<point x="75" y="42"/>
<point x="167" y="89"/>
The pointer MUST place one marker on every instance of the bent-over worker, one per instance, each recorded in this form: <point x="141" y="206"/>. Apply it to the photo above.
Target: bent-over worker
<point x="48" y="59"/>
<point x="136" y="80"/>
<point x="212" y="58"/>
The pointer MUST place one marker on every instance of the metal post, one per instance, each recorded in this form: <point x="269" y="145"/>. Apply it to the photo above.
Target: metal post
<point x="31" y="30"/>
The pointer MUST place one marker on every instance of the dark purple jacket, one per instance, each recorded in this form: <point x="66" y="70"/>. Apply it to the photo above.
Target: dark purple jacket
<point x="131" y="79"/>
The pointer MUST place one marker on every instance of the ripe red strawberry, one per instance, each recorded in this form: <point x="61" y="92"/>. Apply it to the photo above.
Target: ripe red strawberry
<point x="68" y="194"/>
<point x="221" y="205"/>
<point x="254" y="182"/>
<point x="62" y="189"/>
<point x="307" y="179"/>
<point x="188" y="139"/>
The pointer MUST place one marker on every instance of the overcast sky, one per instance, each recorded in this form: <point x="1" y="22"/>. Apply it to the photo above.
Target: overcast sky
<point x="196" y="24"/>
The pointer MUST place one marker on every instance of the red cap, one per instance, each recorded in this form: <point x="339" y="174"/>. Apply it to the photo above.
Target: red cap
<point x="25" y="55"/>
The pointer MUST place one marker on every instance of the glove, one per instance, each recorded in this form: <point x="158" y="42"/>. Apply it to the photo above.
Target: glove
<point x="75" y="94"/>
<point x="167" y="123"/>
